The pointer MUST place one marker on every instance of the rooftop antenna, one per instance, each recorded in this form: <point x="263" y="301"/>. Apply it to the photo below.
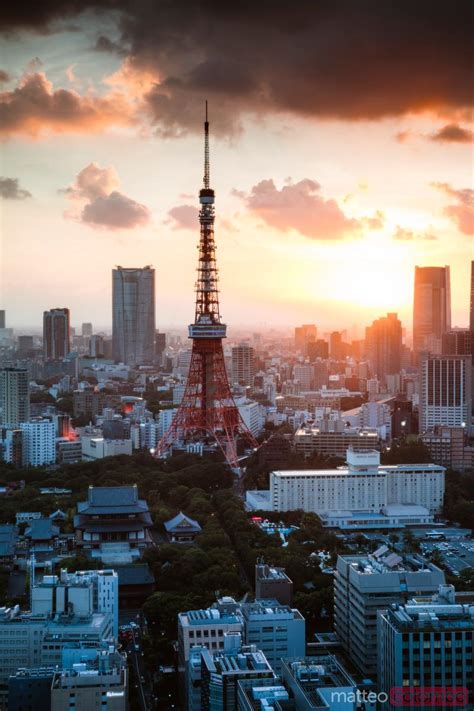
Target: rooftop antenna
<point x="206" y="152"/>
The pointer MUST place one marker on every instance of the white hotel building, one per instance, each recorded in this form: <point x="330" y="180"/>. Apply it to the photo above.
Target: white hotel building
<point x="364" y="494"/>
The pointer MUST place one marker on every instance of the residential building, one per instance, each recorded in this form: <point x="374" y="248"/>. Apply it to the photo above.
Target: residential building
<point x="445" y="391"/>
<point x="243" y="365"/>
<point x="56" y="334"/>
<point x="277" y="630"/>
<point x="14" y="396"/>
<point x="39" y="442"/>
<point x="133" y="315"/>
<point x="428" y="643"/>
<point x="252" y="413"/>
<point x="431" y="308"/>
<point x="365" y="584"/>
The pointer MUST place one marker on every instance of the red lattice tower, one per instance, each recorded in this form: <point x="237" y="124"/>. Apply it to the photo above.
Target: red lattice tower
<point x="207" y="411"/>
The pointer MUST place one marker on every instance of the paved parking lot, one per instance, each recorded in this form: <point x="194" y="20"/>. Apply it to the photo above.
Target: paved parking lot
<point x="457" y="555"/>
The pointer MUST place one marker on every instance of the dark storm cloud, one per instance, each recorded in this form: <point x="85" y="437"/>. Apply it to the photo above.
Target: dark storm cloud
<point x="453" y="133"/>
<point x="332" y="59"/>
<point x="10" y="189"/>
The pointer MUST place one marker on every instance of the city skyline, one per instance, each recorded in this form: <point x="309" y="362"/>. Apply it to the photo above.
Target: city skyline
<point x="111" y="179"/>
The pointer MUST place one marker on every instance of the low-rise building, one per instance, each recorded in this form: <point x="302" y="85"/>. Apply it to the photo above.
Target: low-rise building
<point x="279" y="631"/>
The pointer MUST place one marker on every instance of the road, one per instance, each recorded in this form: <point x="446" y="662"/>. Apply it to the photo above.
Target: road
<point x="140" y="672"/>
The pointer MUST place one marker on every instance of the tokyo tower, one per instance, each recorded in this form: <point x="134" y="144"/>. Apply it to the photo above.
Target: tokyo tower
<point x="207" y="412"/>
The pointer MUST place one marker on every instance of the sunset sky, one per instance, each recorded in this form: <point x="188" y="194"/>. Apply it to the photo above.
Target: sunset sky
<point x="341" y="155"/>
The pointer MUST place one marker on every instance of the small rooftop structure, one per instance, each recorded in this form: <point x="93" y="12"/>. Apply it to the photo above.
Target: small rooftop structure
<point x="182" y="529"/>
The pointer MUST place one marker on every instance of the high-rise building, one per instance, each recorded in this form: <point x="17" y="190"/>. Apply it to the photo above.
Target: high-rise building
<point x="160" y="346"/>
<point x="96" y="346"/>
<point x="445" y="391"/>
<point x="317" y="349"/>
<point x="133" y="317"/>
<point x="336" y="350"/>
<point x="383" y="343"/>
<point x="431" y="308"/>
<point x="305" y="334"/>
<point x="243" y="365"/>
<point x="2" y="318"/>
<point x="11" y="446"/>
<point x="87" y="329"/>
<point x="471" y="301"/>
<point x="14" y="396"/>
<point x="427" y="643"/>
<point x="458" y="342"/>
<point x="364" y="584"/>
<point x="25" y="345"/>
<point x="56" y="334"/>
<point x="39" y="442"/>
<point x="304" y="374"/>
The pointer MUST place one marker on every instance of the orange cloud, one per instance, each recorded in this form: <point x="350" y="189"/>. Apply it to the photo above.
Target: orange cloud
<point x="462" y="211"/>
<point x="34" y="107"/>
<point x="298" y="206"/>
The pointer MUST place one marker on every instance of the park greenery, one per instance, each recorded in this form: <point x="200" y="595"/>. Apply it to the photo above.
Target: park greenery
<point x="222" y="559"/>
